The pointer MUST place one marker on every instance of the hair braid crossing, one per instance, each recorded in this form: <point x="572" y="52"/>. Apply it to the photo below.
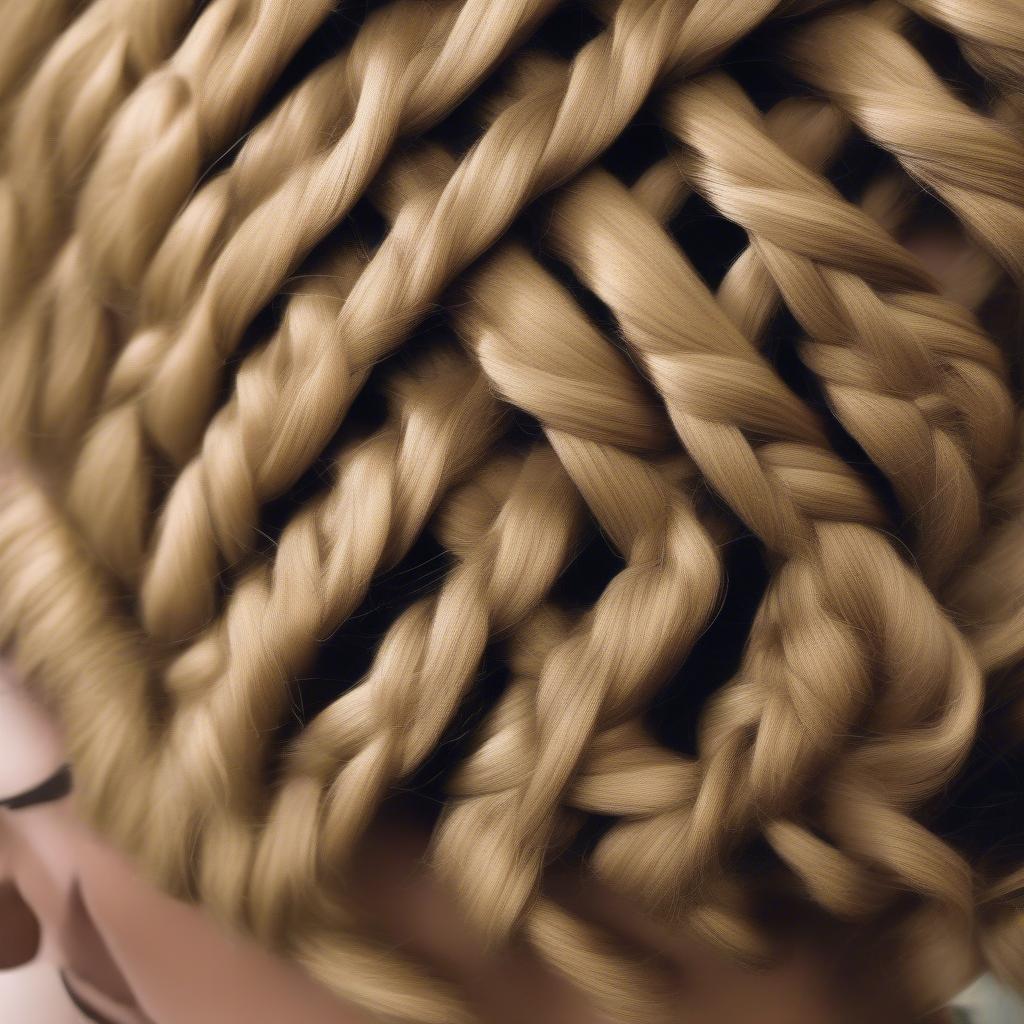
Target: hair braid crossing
<point x="597" y="423"/>
<point x="548" y="142"/>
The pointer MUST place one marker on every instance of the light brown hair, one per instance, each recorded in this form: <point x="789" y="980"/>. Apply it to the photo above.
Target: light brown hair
<point x="289" y="305"/>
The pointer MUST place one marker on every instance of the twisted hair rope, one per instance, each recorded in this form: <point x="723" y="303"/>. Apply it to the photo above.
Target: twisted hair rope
<point x="310" y="312"/>
<point x="992" y="204"/>
<point x="642" y="514"/>
<point x="839" y="576"/>
<point x="292" y="133"/>
<point x="69" y="317"/>
<point x="168" y="288"/>
<point x="970" y="161"/>
<point x="625" y="773"/>
<point x="178" y="119"/>
<point x="233" y="690"/>
<point x="928" y="938"/>
<point x="750" y="297"/>
<point x="54" y="125"/>
<point x="512" y="529"/>
<point x="969" y="372"/>
<point x="607" y="683"/>
<point x="400" y="83"/>
<point x="401" y="49"/>
<point x="898" y="361"/>
<point x="174" y="572"/>
<point x="987" y="594"/>
<point x="961" y="723"/>
<point x="511" y="836"/>
<point x="540" y="140"/>
<point x="156" y="147"/>
<point x="62" y="110"/>
<point x="214" y="505"/>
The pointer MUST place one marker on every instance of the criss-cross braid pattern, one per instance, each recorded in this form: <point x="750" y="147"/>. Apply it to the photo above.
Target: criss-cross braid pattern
<point x="174" y="377"/>
<point x="540" y="140"/>
<point x="909" y="373"/>
<point x="530" y="393"/>
<point x="550" y="339"/>
<point x="970" y="161"/>
<point x="775" y="692"/>
<point x="662" y="542"/>
<point x="443" y="420"/>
